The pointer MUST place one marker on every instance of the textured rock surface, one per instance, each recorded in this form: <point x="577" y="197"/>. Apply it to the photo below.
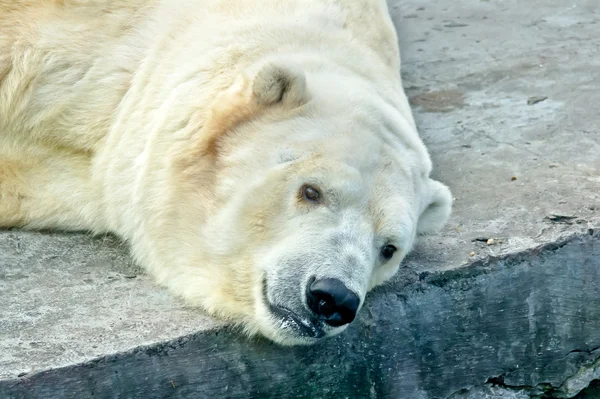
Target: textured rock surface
<point x="518" y="319"/>
<point x="68" y="298"/>
<point x="524" y="324"/>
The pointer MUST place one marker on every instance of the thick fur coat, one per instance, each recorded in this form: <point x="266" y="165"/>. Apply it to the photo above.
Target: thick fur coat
<point x="246" y="149"/>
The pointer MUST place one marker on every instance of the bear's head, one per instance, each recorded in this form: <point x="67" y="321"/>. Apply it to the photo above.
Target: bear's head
<point x="298" y="192"/>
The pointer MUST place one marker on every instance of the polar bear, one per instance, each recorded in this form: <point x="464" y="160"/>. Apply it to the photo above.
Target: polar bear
<point x="259" y="156"/>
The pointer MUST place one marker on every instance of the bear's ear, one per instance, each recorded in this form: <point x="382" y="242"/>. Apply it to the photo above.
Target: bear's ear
<point x="436" y="206"/>
<point x="276" y="83"/>
<point x="268" y="86"/>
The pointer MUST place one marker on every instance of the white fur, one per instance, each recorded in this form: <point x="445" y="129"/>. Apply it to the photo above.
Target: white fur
<point x="188" y="127"/>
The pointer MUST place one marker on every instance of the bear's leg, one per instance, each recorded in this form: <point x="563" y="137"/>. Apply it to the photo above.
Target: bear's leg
<point x="49" y="193"/>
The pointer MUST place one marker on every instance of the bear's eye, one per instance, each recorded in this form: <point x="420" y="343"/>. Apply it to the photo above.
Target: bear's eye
<point x="311" y="194"/>
<point x="388" y="251"/>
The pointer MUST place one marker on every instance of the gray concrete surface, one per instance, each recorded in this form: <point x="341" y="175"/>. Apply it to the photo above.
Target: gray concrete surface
<point x="68" y="298"/>
<point x="523" y="325"/>
<point x="501" y="90"/>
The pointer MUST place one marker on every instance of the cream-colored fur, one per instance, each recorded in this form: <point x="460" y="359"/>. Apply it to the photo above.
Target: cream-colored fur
<point x="188" y="128"/>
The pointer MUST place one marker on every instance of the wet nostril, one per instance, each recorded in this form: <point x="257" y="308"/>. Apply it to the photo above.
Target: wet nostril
<point x="326" y="305"/>
<point x="332" y="300"/>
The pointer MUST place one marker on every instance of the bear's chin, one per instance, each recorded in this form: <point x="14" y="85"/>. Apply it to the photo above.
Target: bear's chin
<point x="280" y="333"/>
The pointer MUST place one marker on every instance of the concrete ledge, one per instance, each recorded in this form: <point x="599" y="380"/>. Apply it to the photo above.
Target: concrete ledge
<point x="524" y="324"/>
<point x="68" y="298"/>
<point x="506" y="97"/>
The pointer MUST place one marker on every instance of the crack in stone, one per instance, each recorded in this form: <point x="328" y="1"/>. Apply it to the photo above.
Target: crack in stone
<point x="569" y="388"/>
<point x="540" y="390"/>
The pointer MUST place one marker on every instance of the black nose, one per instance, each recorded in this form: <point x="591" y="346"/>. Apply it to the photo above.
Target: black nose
<point x="332" y="300"/>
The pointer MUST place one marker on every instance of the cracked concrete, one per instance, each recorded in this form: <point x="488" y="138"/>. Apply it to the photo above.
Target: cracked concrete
<point x="518" y="318"/>
<point x="583" y="384"/>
